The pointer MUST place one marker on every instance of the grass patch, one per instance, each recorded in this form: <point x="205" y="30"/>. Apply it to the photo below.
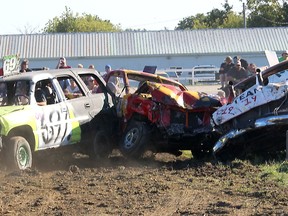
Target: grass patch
<point x="186" y="153"/>
<point x="276" y="171"/>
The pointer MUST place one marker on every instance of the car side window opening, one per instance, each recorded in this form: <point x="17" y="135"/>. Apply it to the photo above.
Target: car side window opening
<point x="22" y="93"/>
<point x="70" y="87"/>
<point x="3" y="94"/>
<point x="114" y="84"/>
<point x="91" y="82"/>
<point x="45" y="93"/>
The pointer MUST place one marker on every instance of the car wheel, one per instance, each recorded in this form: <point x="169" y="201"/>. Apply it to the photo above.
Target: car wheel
<point x="134" y="140"/>
<point x="200" y="154"/>
<point x="18" y="153"/>
<point x="225" y="156"/>
<point x="101" y="146"/>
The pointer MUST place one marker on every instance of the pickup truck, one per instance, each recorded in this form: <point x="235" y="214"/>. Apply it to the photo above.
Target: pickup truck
<point x="38" y="111"/>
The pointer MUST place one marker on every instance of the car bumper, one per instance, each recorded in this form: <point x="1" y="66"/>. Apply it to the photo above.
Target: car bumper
<point x="269" y="121"/>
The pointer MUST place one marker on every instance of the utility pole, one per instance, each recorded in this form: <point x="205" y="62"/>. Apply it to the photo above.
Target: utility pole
<point x="244" y="14"/>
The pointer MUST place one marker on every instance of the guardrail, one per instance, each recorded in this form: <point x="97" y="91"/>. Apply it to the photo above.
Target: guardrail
<point x="190" y="76"/>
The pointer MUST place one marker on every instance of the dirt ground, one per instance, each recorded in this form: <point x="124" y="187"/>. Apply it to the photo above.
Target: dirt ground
<point x="207" y="88"/>
<point x="72" y="184"/>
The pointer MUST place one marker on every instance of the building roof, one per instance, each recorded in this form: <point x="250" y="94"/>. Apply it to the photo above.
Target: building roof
<point x="145" y="43"/>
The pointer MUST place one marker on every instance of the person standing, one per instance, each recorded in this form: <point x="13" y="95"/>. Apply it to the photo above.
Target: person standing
<point x="284" y="56"/>
<point x="244" y="63"/>
<point x="252" y="69"/>
<point x="62" y="63"/>
<point x="236" y="73"/>
<point x="224" y="68"/>
<point x="24" y="67"/>
<point x="91" y="66"/>
<point x="113" y="82"/>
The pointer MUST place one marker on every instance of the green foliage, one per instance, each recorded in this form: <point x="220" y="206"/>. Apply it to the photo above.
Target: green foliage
<point x="259" y="13"/>
<point x="68" y="22"/>
<point x="276" y="171"/>
<point x="267" y="13"/>
<point x="192" y="22"/>
<point x="233" y="21"/>
<point x="216" y="18"/>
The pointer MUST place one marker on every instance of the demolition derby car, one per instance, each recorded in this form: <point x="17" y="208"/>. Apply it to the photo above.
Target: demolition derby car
<point x="159" y="114"/>
<point x="257" y="119"/>
<point x="39" y="111"/>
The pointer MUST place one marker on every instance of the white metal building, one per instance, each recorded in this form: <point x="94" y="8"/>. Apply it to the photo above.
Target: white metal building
<point x="135" y="49"/>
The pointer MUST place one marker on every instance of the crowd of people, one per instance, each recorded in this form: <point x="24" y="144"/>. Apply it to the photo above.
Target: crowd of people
<point x="234" y="70"/>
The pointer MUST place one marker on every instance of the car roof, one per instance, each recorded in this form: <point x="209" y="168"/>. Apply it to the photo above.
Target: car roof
<point x="142" y="76"/>
<point x="45" y="74"/>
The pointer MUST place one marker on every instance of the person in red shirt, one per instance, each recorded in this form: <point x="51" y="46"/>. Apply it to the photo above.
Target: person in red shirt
<point x="62" y="63"/>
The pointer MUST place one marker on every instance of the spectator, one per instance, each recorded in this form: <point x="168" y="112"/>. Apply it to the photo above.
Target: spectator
<point x="108" y="68"/>
<point x="73" y="88"/>
<point x="284" y="56"/>
<point x="24" y="66"/>
<point x="91" y="66"/>
<point x="113" y="82"/>
<point x="236" y="73"/>
<point x="92" y="85"/>
<point x="224" y="68"/>
<point x="244" y="63"/>
<point x="252" y="69"/>
<point x="80" y="66"/>
<point x="62" y="63"/>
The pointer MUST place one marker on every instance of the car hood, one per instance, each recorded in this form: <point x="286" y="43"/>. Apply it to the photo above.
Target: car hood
<point x="9" y="109"/>
<point x="253" y="97"/>
<point x="170" y="95"/>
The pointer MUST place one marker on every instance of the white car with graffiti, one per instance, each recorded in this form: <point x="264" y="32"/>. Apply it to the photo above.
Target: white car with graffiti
<point x="257" y="119"/>
<point x="52" y="108"/>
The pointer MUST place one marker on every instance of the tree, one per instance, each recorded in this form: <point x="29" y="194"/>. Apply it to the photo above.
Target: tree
<point x="233" y="21"/>
<point x="267" y="13"/>
<point x="28" y="29"/>
<point x="68" y="22"/>
<point x="216" y="18"/>
<point x="192" y="22"/>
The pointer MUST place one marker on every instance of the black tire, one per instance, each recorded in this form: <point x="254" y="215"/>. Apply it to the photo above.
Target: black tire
<point x="18" y="153"/>
<point x="225" y="156"/>
<point x="101" y="146"/>
<point x="134" y="140"/>
<point x="200" y="154"/>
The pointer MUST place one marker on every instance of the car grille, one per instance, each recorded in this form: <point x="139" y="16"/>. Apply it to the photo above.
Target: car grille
<point x="187" y="119"/>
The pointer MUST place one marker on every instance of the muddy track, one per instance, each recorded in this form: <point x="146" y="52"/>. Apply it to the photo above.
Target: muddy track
<point x="159" y="185"/>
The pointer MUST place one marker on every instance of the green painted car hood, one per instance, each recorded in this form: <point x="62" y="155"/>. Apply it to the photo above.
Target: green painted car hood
<point x="13" y="116"/>
<point x="10" y="109"/>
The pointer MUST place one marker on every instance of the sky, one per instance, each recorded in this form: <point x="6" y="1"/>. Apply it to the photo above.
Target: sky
<point x="18" y="15"/>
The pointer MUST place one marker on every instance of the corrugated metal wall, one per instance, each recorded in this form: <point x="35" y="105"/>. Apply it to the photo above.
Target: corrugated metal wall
<point x="149" y="43"/>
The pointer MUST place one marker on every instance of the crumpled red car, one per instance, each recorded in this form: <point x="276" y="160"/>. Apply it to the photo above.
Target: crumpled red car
<point x="161" y="115"/>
